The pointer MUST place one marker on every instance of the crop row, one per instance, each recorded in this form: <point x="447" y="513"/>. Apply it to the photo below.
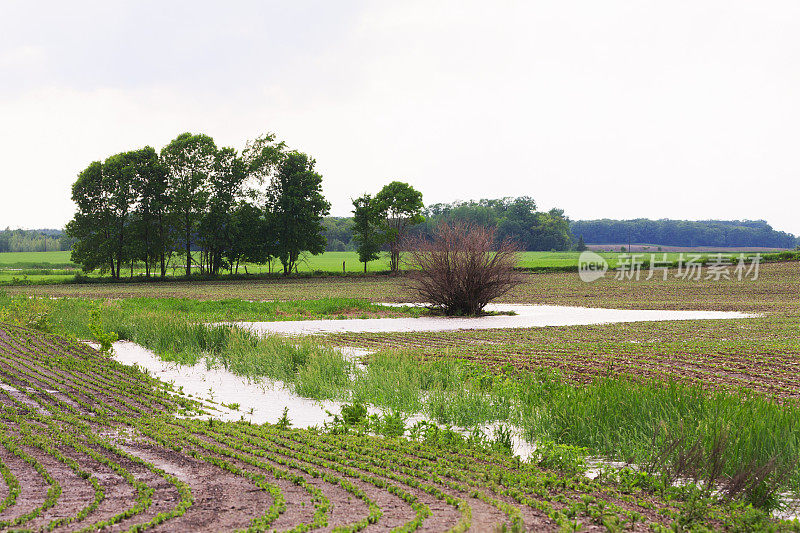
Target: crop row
<point x="91" y="428"/>
<point x="760" y="354"/>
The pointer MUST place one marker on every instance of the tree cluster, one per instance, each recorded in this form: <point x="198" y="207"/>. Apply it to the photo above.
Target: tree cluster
<point x="717" y="233"/>
<point x="515" y="219"/>
<point x="211" y="206"/>
<point x="339" y="234"/>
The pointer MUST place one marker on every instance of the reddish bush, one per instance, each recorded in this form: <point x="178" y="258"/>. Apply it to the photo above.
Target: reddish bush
<point x="461" y="269"/>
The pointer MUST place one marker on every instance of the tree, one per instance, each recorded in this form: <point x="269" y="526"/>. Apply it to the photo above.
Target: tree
<point x="515" y="218"/>
<point x="462" y="268"/>
<point x="120" y="184"/>
<point x="190" y="160"/>
<point x="261" y="158"/>
<point x="581" y="246"/>
<point x="252" y="238"/>
<point x="296" y="207"/>
<point x="151" y="225"/>
<point x="224" y="190"/>
<point x="339" y="233"/>
<point x="400" y="207"/>
<point x="91" y="225"/>
<point x="366" y="231"/>
<point x="727" y="233"/>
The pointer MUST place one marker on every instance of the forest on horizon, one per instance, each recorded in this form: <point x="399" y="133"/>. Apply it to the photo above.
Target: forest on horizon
<point x="665" y="232"/>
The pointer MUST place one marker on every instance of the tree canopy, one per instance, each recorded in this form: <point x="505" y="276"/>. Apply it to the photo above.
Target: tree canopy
<point x="211" y="206"/>
<point x="397" y="207"/>
<point x="34" y="240"/>
<point x="297" y="207"/>
<point x="516" y="219"/>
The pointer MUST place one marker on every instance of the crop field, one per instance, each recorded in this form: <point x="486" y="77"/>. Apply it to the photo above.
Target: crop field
<point x="86" y="444"/>
<point x="761" y="354"/>
<point x="775" y="290"/>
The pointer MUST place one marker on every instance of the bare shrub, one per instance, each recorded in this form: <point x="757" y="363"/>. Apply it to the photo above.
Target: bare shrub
<point x="461" y="269"/>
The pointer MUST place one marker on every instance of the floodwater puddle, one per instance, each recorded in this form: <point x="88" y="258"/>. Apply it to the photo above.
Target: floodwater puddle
<point x="264" y="401"/>
<point x="256" y="401"/>
<point x="524" y="316"/>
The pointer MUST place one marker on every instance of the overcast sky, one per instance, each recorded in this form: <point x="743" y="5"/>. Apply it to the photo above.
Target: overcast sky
<point x="681" y="109"/>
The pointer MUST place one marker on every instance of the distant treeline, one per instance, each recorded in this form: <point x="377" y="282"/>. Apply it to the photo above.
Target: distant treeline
<point x="338" y="233"/>
<point x="716" y="233"/>
<point x="39" y="240"/>
<point x="516" y="218"/>
<point x="551" y="230"/>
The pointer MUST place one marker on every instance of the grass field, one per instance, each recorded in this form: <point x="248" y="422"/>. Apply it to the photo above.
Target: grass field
<point x="37" y="258"/>
<point x="56" y="267"/>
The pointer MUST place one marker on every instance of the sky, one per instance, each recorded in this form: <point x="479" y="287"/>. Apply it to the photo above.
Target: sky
<point x="616" y="109"/>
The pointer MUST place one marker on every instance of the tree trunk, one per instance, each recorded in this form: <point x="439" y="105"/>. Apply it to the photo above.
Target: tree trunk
<point x="162" y="244"/>
<point x="121" y="246"/>
<point x="188" y="247"/>
<point x="147" y="250"/>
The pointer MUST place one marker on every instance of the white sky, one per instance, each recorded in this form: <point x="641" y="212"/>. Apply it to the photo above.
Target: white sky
<point x="681" y="109"/>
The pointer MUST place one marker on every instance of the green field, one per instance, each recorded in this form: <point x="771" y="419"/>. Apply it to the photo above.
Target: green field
<point x="34" y="258"/>
<point x="55" y="267"/>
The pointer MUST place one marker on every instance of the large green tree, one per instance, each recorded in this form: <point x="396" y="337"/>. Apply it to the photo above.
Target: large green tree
<point x="92" y="224"/>
<point x="190" y="161"/>
<point x="224" y="191"/>
<point x="252" y="236"/>
<point x="120" y="182"/>
<point x="261" y="158"/>
<point x="151" y="223"/>
<point x="296" y="208"/>
<point x="366" y="229"/>
<point x="399" y="206"/>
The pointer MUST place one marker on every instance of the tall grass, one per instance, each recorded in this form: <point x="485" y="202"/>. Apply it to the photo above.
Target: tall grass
<point x="630" y="420"/>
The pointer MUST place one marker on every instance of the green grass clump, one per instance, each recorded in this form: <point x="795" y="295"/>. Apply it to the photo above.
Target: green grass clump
<point x="242" y="310"/>
<point x="73" y="313"/>
<point x="636" y="421"/>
